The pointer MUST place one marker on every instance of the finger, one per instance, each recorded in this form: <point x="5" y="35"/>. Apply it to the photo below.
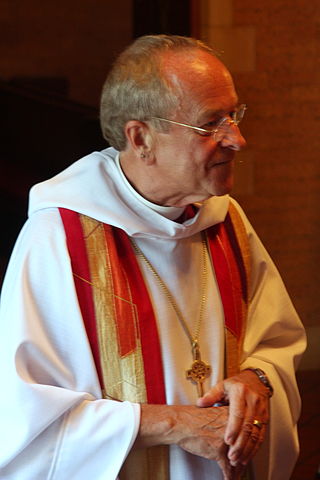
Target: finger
<point x="233" y="473"/>
<point x="238" y="472"/>
<point x="237" y="412"/>
<point x="245" y="406"/>
<point x="242" y="443"/>
<point x="247" y="444"/>
<point x="214" y="395"/>
<point x="226" y="468"/>
<point x="256" y="438"/>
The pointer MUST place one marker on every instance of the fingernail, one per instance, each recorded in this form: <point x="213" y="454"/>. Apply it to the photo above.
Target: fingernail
<point x="232" y="455"/>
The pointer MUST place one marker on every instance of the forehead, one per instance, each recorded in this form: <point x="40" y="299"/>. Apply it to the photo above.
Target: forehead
<point x="204" y="83"/>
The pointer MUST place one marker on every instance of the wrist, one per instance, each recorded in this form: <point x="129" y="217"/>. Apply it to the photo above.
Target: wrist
<point x="263" y="378"/>
<point x="156" y="423"/>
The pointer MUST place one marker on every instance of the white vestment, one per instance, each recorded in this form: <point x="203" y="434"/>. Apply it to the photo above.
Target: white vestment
<point x="54" y="423"/>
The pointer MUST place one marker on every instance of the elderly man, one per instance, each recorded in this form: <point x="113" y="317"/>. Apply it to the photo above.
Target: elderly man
<point x="146" y="334"/>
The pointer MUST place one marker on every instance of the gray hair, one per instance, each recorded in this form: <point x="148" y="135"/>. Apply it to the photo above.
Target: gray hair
<point x="137" y="88"/>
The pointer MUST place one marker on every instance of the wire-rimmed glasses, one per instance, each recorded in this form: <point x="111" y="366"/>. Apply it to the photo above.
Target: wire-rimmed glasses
<point x="222" y="127"/>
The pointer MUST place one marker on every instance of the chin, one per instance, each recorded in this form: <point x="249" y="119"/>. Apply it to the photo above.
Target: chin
<point x="222" y="180"/>
<point x="225" y="189"/>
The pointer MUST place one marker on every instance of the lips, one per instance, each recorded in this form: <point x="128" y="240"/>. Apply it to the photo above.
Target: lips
<point x="227" y="158"/>
<point x="223" y="162"/>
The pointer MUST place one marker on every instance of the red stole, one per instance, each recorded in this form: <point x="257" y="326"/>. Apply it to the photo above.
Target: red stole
<point x="120" y="321"/>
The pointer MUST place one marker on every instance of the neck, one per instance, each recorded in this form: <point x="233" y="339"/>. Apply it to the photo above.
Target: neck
<point x="145" y="180"/>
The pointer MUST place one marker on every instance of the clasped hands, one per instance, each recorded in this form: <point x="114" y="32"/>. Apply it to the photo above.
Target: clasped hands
<point x="230" y="434"/>
<point x="248" y="416"/>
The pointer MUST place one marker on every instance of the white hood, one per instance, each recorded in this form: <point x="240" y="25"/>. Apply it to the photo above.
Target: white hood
<point x="94" y="186"/>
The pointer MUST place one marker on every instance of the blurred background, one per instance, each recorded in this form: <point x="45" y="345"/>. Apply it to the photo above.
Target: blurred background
<point x="54" y="59"/>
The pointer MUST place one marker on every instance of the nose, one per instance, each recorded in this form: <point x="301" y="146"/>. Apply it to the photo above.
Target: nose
<point x="233" y="138"/>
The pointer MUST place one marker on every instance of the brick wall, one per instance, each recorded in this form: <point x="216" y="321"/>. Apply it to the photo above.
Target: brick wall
<point x="272" y="49"/>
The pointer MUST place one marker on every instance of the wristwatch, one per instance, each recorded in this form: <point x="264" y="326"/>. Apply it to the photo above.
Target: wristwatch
<point x="263" y="378"/>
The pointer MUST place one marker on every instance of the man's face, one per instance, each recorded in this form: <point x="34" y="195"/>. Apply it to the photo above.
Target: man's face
<point x="192" y="167"/>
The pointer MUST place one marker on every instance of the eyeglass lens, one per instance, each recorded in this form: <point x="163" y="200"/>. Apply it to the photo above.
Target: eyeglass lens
<point x="226" y="125"/>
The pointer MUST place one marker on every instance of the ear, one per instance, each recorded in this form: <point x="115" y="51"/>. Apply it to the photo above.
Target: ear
<point x="139" y="139"/>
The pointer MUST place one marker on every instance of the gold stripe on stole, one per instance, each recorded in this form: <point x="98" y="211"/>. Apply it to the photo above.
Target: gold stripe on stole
<point x="231" y="339"/>
<point x="232" y="356"/>
<point x="118" y="373"/>
<point x="243" y="241"/>
<point x="242" y="237"/>
<point x="234" y="347"/>
<point x="123" y="376"/>
<point x="232" y="343"/>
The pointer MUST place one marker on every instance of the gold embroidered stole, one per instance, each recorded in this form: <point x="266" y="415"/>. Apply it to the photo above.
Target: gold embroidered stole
<point x="230" y="255"/>
<point x="120" y="325"/>
<point x="120" y="322"/>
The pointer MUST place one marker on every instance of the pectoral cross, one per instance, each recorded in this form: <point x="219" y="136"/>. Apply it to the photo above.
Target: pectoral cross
<point x="199" y="370"/>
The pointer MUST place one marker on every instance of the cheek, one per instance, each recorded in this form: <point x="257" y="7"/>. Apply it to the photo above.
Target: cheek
<point x="207" y="157"/>
<point x="222" y="177"/>
<point x="174" y="151"/>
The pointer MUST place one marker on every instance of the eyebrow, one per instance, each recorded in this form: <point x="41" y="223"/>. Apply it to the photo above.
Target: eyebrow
<point x="206" y="115"/>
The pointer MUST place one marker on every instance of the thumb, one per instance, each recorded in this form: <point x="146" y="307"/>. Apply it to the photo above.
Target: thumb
<point x="214" y="395"/>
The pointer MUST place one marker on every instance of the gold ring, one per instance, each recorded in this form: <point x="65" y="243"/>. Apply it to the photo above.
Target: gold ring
<point x="257" y="423"/>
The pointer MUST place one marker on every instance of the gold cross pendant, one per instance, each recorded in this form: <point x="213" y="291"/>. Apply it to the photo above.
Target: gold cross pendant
<point x="199" y="370"/>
